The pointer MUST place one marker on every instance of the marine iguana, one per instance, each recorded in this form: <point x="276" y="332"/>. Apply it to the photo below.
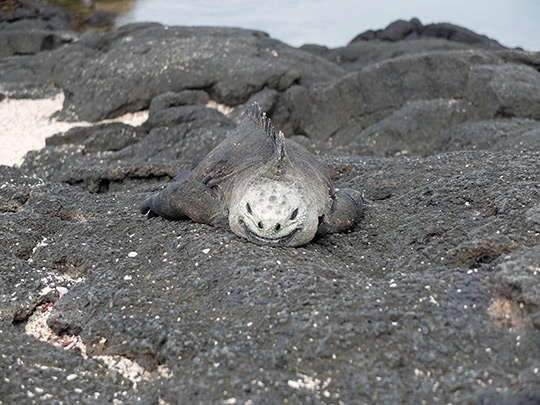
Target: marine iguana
<point x="262" y="186"/>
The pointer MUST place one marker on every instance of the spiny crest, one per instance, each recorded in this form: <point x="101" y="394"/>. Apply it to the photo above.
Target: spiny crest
<point x="255" y="113"/>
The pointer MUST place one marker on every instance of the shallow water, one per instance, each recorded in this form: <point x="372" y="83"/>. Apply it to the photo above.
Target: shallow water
<point x="332" y="23"/>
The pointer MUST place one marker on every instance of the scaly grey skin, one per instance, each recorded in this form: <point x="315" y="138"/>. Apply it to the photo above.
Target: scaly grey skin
<point x="265" y="188"/>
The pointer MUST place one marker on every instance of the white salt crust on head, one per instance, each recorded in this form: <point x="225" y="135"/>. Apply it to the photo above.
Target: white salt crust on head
<point x="273" y="210"/>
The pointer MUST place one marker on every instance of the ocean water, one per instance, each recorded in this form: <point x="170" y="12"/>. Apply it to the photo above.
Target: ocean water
<point x="514" y="23"/>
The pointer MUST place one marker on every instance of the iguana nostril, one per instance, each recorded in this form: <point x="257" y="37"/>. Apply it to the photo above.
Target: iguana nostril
<point x="260" y="225"/>
<point x="278" y="227"/>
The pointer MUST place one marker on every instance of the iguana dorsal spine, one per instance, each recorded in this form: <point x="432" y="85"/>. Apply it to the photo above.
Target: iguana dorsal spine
<point x="255" y="113"/>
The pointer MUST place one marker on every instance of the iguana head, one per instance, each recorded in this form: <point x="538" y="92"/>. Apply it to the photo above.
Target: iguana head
<point x="273" y="213"/>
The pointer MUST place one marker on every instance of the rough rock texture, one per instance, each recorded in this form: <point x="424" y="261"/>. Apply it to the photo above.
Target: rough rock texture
<point x="414" y="29"/>
<point x="30" y="28"/>
<point x="433" y="297"/>
<point x="403" y="38"/>
<point x="126" y="68"/>
<point x="486" y="84"/>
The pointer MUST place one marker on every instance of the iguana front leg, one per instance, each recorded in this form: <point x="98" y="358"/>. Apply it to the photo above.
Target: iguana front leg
<point x="186" y="197"/>
<point x="345" y="211"/>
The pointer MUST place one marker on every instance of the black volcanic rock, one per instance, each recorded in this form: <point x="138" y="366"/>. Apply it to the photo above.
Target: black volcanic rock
<point x="433" y="235"/>
<point x="229" y="64"/>
<point x="404" y="38"/>
<point x="433" y="297"/>
<point x="30" y="28"/>
<point x="395" y="31"/>
<point x="413" y="29"/>
<point x="485" y="84"/>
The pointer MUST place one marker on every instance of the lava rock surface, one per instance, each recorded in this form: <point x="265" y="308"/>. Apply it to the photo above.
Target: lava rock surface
<point x="433" y="297"/>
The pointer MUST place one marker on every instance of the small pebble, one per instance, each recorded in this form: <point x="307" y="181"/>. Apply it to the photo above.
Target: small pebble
<point x="45" y="291"/>
<point x="206" y="251"/>
<point x="62" y="291"/>
<point x="293" y="384"/>
<point x="132" y="254"/>
<point x="71" y="377"/>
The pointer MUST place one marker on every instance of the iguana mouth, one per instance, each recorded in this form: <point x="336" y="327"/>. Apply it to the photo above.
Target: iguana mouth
<point x="281" y="241"/>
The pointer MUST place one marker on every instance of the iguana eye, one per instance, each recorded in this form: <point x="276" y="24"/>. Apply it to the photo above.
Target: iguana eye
<point x="248" y="208"/>
<point x="294" y="214"/>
